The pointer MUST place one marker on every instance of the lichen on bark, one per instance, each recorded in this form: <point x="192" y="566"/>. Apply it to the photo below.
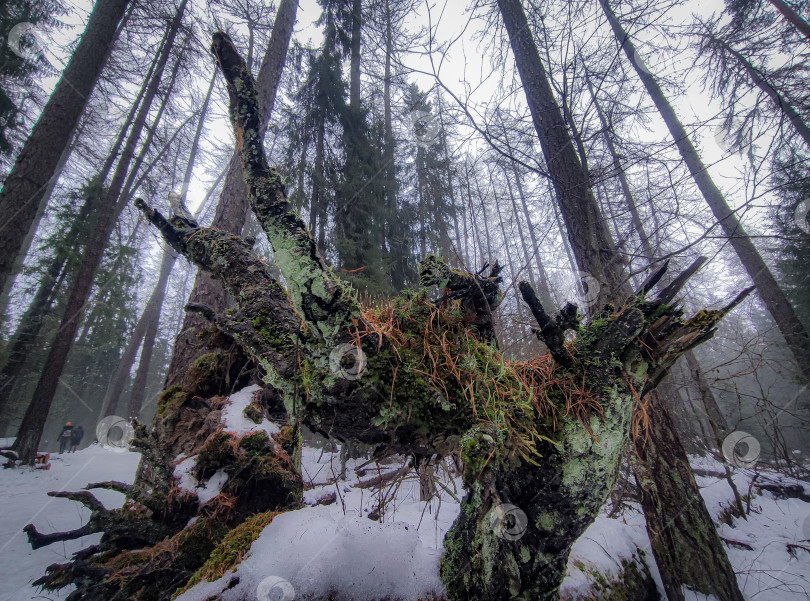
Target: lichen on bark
<point x="540" y="439"/>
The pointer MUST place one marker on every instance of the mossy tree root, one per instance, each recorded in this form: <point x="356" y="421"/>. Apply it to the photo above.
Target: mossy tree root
<point x="541" y="436"/>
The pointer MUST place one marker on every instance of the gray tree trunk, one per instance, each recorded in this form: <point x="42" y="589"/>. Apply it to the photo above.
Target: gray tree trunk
<point x="769" y="290"/>
<point x="33" y="422"/>
<point x="39" y="158"/>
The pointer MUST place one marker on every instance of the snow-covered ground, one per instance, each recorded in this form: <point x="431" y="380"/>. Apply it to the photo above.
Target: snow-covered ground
<point x="24" y="500"/>
<point x="337" y="548"/>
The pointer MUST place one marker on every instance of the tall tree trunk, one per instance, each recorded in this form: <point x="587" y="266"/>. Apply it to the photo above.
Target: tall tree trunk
<point x="594" y="249"/>
<point x="456" y="257"/>
<point x="513" y="273"/>
<point x="29" y="237"/>
<point x="483" y="200"/>
<point x="575" y="198"/>
<point x="37" y="162"/>
<point x="759" y="80"/>
<point x="112" y="155"/>
<point x="544" y="291"/>
<point x="152" y="319"/>
<point x="233" y="205"/>
<point x="795" y="18"/>
<point x="618" y="169"/>
<point x="476" y="234"/>
<point x="768" y="288"/>
<point x="354" y="65"/>
<point x="317" y="200"/>
<point x="104" y="220"/>
<point x="709" y="401"/>
<point x="684" y="540"/>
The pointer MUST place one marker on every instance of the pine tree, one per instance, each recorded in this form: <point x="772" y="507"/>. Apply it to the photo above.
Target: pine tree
<point x="37" y="162"/>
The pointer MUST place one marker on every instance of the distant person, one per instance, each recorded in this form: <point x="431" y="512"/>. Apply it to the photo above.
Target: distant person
<point x="76" y="438"/>
<point x="64" y="437"/>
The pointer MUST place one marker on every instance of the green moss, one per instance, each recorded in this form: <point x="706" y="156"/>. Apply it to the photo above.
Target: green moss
<point x="216" y="453"/>
<point x="208" y="373"/>
<point x="171" y="400"/>
<point x="255" y="442"/>
<point x="231" y="550"/>
<point x="546" y="521"/>
<point x="253" y="412"/>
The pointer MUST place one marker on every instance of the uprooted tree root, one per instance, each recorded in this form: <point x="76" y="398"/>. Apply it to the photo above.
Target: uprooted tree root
<point x="540" y="440"/>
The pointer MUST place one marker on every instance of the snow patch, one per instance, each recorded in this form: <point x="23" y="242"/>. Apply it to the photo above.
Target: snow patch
<point x="234" y="420"/>
<point x="350" y="557"/>
<point x="187" y="482"/>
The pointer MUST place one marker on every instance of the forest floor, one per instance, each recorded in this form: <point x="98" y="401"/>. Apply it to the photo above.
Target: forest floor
<point x="335" y="547"/>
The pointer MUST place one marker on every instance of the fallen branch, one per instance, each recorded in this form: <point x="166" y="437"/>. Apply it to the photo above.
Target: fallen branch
<point x="382" y="479"/>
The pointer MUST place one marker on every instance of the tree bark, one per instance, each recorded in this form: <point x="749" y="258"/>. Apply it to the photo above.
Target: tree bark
<point x="768" y="288"/>
<point x="29" y="237"/>
<point x="594" y="250"/>
<point x="151" y="316"/>
<point x="354" y="65"/>
<point x="685" y="542"/>
<point x="104" y="220"/>
<point x="36" y="164"/>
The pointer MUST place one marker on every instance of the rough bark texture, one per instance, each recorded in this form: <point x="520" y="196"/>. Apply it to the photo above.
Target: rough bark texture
<point x="685" y="542"/>
<point x="36" y="164"/>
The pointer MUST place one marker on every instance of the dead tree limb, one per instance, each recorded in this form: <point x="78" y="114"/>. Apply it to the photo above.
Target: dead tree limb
<point x="324" y="301"/>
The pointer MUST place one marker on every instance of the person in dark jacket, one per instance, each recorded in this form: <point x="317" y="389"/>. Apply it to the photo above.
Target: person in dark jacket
<point x="64" y="437"/>
<point x="76" y="438"/>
